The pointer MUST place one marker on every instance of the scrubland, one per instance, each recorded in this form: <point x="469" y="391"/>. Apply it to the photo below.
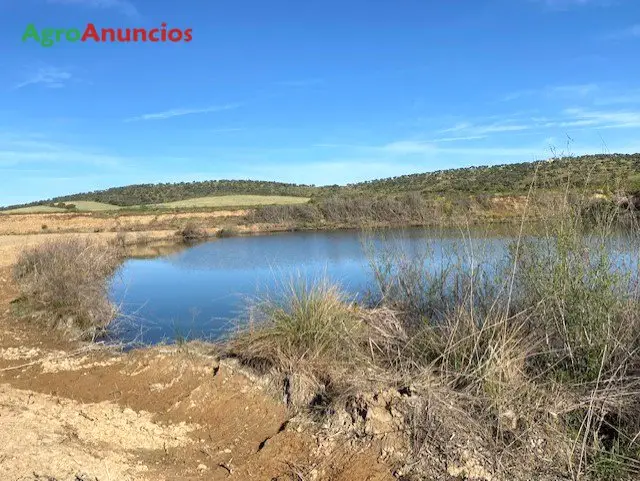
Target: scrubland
<point x="524" y="367"/>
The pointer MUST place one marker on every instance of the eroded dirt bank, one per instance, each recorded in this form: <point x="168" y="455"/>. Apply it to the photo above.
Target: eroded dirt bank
<point x="75" y="412"/>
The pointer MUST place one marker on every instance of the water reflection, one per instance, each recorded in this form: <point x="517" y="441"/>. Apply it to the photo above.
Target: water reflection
<point x="198" y="291"/>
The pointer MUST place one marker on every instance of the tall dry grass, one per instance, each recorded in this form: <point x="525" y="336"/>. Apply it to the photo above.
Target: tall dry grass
<point x="530" y="362"/>
<point x="64" y="283"/>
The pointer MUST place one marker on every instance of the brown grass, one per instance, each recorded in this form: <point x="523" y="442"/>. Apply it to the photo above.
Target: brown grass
<point x="192" y="231"/>
<point x="532" y="372"/>
<point x="64" y="283"/>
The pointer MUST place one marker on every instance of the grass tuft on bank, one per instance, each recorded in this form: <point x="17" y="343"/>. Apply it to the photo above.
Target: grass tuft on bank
<point x="64" y="284"/>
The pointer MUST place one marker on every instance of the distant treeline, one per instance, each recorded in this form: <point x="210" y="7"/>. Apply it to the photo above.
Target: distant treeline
<point x="595" y="172"/>
<point x="145" y="194"/>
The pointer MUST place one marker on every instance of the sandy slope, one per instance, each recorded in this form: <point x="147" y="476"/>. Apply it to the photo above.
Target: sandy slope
<point x="74" y="412"/>
<point x="90" y="222"/>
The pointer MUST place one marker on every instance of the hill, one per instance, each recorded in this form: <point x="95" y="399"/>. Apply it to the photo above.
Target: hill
<point x="151" y="194"/>
<point x="595" y="172"/>
<point x="76" y="206"/>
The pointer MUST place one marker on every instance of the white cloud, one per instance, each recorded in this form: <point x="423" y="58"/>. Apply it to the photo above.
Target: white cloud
<point x="472" y="130"/>
<point x="409" y="147"/>
<point x="225" y="130"/>
<point x="300" y="83"/>
<point x="168" y="114"/>
<point x="49" y="77"/>
<point x="558" y="91"/>
<point x="566" y="4"/>
<point x="464" y="138"/>
<point x="29" y="150"/>
<point x="568" y="118"/>
<point x="123" y="6"/>
<point x="605" y="119"/>
<point x="629" y="32"/>
<point x="630" y="97"/>
<point x="430" y="150"/>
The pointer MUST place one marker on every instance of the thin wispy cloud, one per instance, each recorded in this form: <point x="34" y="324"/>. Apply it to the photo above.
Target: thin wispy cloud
<point x="566" y="4"/>
<point x="225" y="131"/>
<point x="626" y="98"/>
<point x="25" y="151"/>
<point x="464" y="138"/>
<point x="625" y="33"/>
<point x="557" y="91"/>
<point x="475" y="130"/>
<point x="574" y="118"/>
<point x="49" y="77"/>
<point x="409" y="147"/>
<point x="169" y="114"/>
<point x="606" y="119"/>
<point x="300" y="83"/>
<point x="123" y="6"/>
<point x="430" y="150"/>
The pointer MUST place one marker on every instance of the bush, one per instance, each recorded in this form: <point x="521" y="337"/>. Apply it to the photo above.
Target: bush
<point x="580" y="295"/>
<point x="282" y="214"/>
<point x="191" y="232"/>
<point x="65" y="283"/>
<point x="350" y="210"/>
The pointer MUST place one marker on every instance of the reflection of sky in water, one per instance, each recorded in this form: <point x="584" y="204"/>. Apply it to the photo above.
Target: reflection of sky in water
<point x="198" y="292"/>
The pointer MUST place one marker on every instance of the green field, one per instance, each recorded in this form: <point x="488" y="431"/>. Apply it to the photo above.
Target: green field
<point x="91" y="206"/>
<point x="234" y="201"/>
<point x="81" y="206"/>
<point x="34" y="209"/>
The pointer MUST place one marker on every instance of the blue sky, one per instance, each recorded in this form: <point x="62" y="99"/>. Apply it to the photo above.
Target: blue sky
<point x="318" y="92"/>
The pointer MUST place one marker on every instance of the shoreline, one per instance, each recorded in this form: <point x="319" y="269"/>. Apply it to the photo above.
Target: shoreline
<point x="341" y="390"/>
<point x="78" y="410"/>
<point x="20" y="230"/>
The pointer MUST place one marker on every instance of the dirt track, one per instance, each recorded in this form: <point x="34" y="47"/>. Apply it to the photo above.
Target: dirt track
<point x="72" y="412"/>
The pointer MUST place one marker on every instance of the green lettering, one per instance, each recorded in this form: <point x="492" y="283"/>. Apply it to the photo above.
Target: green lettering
<point x="47" y="37"/>
<point x="31" y="32"/>
<point x="73" y="35"/>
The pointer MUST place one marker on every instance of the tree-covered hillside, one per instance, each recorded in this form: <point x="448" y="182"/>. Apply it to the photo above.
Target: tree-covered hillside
<point x="594" y="172"/>
<point x="142" y="194"/>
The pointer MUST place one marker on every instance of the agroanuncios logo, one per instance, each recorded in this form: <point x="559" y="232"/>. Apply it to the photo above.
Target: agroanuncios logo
<point x="47" y="37"/>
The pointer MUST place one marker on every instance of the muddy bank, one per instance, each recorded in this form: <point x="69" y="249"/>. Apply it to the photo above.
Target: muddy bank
<point x="77" y="411"/>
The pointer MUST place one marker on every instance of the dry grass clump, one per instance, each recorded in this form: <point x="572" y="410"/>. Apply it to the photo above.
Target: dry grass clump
<point x="525" y="369"/>
<point x="192" y="231"/>
<point x="579" y="282"/>
<point x="306" y="334"/>
<point x="64" y="283"/>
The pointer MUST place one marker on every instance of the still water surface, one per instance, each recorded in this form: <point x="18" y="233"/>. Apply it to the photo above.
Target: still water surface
<point x="202" y="291"/>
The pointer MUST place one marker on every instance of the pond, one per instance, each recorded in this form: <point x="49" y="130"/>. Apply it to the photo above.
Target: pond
<point x="203" y="291"/>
